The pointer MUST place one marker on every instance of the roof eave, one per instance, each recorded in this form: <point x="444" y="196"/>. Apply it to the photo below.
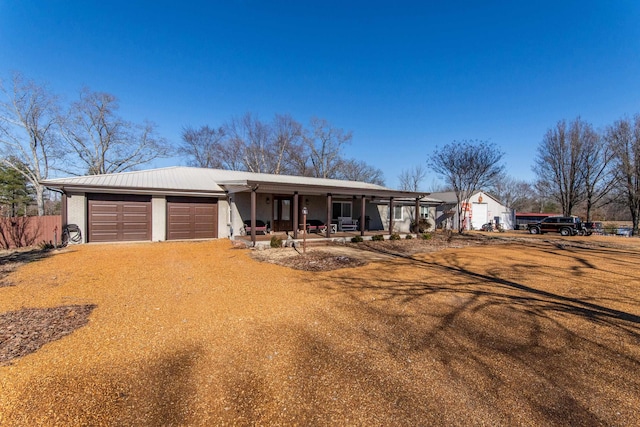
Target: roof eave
<point x="134" y="190"/>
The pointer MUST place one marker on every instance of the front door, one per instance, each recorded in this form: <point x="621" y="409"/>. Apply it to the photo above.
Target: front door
<point x="282" y="213"/>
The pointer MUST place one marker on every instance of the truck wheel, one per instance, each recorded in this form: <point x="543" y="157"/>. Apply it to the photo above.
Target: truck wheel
<point x="565" y="231"/>
<point x="534" y="230"/>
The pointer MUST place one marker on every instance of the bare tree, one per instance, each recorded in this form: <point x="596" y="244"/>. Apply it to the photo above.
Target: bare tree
<point x="256" y="146"/>
<point x="411" y="179"/>
<point x="513" y="193"/>
<point x="623" y="138"/>
<point x="544" y="200"/>
<point x="285" y="145"/>
<point x="247" y="142"/>
<point x="28" y="132"/>
<point x="560" y="162"/>
<point x="467" y="166"/>
<point x="203" y="147"/>
<point x="324" y="144"/>
<point x="244" y="143"/>
<point x="279" y="147"/>
<point x="596" y="174"/>
<point x="298" y="161"/>
<point x="103" y="142"/>
<point x="357" y="170"/>
<point x="436" y="186"/>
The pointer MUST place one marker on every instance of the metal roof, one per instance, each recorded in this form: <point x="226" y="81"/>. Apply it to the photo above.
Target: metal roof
<point x="451" y="197"/>
<point x="201" y="181"/>
<point x="165" y="180"/>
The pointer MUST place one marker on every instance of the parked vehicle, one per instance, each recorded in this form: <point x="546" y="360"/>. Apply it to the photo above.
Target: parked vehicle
<point x="624" y="231"/>
<point x="594" y="227"/>
<point x="565" y="225"/>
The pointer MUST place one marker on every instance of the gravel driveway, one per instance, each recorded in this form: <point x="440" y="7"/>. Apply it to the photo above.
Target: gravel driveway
<point x="534" y="332"/>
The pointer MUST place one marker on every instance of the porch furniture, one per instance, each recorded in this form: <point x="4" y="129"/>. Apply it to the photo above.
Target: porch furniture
<point x="347" y="224"/>
<point x="316" y="226"/>
<point x="261" y="227"/>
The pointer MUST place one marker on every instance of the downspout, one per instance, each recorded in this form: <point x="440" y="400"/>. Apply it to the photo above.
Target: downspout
<point x="63" y="204"/>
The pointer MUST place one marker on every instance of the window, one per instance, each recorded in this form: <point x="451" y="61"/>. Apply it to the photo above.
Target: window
<point x="397" y="213"/>
<point x="424" y="212"/>
<point x="341" y="209"/>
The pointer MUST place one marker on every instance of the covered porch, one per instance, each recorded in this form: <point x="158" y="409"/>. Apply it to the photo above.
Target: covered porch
<point x="259" y="208"/>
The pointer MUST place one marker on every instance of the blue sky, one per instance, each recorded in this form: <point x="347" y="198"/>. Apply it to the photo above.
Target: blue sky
<point x="405" y="77"/>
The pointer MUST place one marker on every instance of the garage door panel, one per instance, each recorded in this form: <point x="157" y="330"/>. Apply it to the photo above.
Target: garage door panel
<point x="479" y="215"/>
<point x="180" y="210"/>
<point x="199" y="219"/>
<point x="114" y="218"/>
<point x="192" y="218"/>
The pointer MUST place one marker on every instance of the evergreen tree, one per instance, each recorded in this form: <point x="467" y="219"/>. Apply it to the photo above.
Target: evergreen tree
<point x="15" y="192"/>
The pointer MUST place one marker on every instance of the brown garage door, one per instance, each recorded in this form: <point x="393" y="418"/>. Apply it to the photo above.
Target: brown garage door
<point x="119" y="218"/>
<point x="192" y="218"/>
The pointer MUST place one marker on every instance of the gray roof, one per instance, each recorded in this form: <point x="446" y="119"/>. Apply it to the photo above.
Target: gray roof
<point x="450" y="196"/>
<point x="446" y="196"/>
<point x="201" y="181"/>
<point x="167" y="180"/>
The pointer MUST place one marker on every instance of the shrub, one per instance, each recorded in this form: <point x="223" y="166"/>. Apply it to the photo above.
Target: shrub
<point x="276" y="242"/>
<point x="427" y="236"/>
<point x="45" y="246"/>
<point x="409" y="237"/>
<point x="356" y="239"/>
<point x="377" y="238"/>
<point x="394" y="236"/>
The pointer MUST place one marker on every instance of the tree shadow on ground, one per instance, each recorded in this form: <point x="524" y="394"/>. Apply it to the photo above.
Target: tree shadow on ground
<point x="453" y="266"/>
<point x="504" y="339"/>
<point x="159" y="390"/>
<point x="10" y="260"/>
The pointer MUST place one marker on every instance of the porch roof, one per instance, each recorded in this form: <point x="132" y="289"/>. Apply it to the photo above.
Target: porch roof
<point x="216" y="182"/>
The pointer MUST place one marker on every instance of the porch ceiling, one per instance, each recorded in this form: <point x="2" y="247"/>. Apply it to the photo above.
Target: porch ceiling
<point x="318" y="190"/>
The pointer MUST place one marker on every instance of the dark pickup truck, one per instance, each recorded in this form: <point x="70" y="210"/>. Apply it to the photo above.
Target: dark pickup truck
<point x="565" y="225"/>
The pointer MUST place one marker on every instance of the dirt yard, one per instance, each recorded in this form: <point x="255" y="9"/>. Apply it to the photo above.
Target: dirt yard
<point x="481" y="330"/>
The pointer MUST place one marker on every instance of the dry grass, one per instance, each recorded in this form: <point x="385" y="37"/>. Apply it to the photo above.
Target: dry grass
<point x="542" y="331"/>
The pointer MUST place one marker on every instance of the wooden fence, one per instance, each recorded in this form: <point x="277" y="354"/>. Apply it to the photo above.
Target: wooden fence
<point x="18" y="232"/>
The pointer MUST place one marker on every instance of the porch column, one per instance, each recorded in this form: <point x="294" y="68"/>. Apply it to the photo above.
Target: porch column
<point x="417" y="219"/>
<point x="295" y="215"/>
<point x="390" y="215"/>
<point x="253" y="216"/>
<point x="362" y="211"/>
<point x="329" y="209"/>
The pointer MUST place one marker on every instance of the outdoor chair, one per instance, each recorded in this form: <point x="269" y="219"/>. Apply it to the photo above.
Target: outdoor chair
<point x="261" y="227"/>
<point x="316" y="226"/>
<point x="348" y="224"/>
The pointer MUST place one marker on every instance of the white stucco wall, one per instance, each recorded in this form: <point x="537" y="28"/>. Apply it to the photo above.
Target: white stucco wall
<point x="496" y="212"/>
<point x="493" y="208"/>
<point x="158" y="218"/>
<point x="77" y="212"/>
<point x="224" y="219"/>
<point x="402" y="225"/>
